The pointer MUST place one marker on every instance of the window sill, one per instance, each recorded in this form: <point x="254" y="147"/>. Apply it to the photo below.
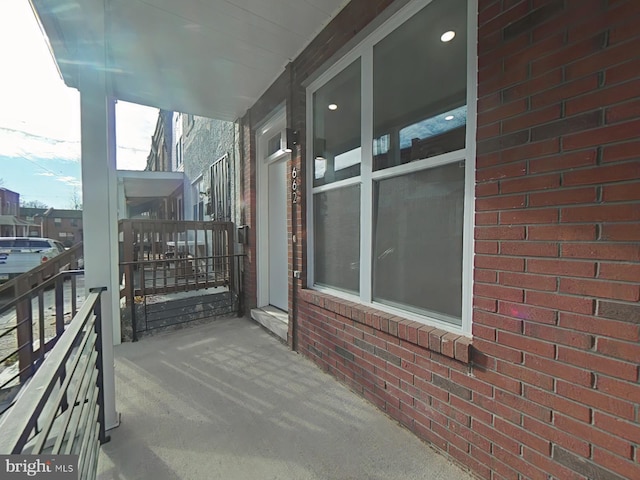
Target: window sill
<point x="448" y="344"/>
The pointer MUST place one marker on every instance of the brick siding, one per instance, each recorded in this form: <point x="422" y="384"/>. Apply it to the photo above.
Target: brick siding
<point x="548" y="387"/>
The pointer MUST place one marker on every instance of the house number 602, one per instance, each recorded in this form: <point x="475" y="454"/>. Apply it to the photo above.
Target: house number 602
<point x="294" y="185"/>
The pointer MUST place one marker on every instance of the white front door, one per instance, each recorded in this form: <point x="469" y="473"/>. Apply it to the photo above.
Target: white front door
<point x="278" y="263"/>
<point x="273" y="237"/>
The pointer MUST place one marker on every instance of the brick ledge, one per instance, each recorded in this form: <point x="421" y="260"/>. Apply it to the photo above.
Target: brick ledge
<point x="445" y="343"/>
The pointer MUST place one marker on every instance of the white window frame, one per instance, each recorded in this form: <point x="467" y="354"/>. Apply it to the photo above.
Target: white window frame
<point x="196" y="188"/>
<point x="179" y="148"/>
<point x="364" y="51"/>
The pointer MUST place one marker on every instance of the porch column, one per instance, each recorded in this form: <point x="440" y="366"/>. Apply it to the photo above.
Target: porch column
<point x="99" y="216"/>
<point x="122" y="201"/>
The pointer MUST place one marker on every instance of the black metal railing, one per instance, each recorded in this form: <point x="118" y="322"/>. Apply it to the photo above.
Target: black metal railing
<point x="152" y="277"/>
<point x="61" y="409"/>
<point x="38" y="314"/>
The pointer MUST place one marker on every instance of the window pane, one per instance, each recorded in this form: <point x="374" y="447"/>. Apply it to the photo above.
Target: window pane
<point x="337" y="238"/>
<point x="420" y="86"/>
<point x="274" y="144"/>
<point x="37" y="244"/>
<point x="417" y="263"/>
<point x="336" y="127"/>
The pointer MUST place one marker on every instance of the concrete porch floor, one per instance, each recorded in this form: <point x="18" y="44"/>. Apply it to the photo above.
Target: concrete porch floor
<point x="226" y="400"/>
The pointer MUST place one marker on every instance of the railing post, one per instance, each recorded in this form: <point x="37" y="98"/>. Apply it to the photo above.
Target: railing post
<point x="229" y="240"/>
<point x="127" y="255"/>
<point x="24" y="333"/>
<point x="237" y="262"/>
<point x="59" y="295"/>
<point x="131" y="288"/>
<point x="102" y="435"/>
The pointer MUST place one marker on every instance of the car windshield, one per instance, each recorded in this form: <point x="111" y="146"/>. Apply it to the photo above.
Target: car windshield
<point x="23" y="243"/>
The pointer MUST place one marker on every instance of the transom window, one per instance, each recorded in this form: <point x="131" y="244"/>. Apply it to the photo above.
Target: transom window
<point x="392" y="156"/>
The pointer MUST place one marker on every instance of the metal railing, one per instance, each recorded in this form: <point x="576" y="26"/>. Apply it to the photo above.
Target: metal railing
<point x="20" y="329"/>
<point x="61" y="409"/>
<point x="150" y="277"/>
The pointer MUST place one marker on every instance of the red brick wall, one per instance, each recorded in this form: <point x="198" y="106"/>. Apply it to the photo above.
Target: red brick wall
<point x="557" y="255"/>
<point x="550" y="386"/>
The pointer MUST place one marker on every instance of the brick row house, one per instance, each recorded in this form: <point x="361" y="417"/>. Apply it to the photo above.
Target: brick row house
<point x="462" y="224"/>
<point x="443" y="210"/>
<point x="62" y="225"/>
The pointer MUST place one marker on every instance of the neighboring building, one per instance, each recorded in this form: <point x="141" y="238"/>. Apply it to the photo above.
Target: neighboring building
<point x="62" y="225"/>
<point x="10" y="223"/>
<point x="178" y="158"/>
<point x="35" y="217"/>
<point x="160" y="156"/>
<point x="156" y="192"/>
<point x="9" y="202"/>
<point x="210" y="158"/>
<point x="206" y="151"/>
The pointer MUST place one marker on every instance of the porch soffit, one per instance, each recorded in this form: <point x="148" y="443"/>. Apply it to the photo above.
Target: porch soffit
<point x="149" y="184"/>
<point x="213" y="58"/>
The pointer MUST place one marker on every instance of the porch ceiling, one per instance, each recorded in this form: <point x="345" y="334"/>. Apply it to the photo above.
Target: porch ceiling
<point x="207" y="57"/>
<point x="145" y="185"/>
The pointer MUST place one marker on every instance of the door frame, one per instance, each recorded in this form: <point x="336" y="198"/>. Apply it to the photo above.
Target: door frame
<point x="277" y="122"/>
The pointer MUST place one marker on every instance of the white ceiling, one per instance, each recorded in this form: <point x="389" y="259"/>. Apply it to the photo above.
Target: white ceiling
<point x="143" y="184"/>
<point x="213" y="58"/>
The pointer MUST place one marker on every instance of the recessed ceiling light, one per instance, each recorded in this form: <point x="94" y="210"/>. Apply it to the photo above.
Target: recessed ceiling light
<point x="448" y="36"/>
<point x="333" y="106"/>
<point x="449" y="118"/>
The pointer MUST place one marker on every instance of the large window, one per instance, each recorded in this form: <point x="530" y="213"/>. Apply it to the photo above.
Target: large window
<point x="392" y="157"/>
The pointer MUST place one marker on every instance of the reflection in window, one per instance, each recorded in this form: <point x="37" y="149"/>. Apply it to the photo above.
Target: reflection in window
<point x="336" y="127"/>
<point x="432" y="127"/>
<point x="337" y="238"/>
<point x="417" y="263"/>
<point x="420" y="87"/>
<point x="347" y="159"/>
<point x="274" y="144"/>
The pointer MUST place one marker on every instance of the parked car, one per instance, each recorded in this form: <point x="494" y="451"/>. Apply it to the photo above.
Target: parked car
<point x="21" y="254"/>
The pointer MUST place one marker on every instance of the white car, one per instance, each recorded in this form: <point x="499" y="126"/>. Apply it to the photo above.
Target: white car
<point x="21" y="254"/>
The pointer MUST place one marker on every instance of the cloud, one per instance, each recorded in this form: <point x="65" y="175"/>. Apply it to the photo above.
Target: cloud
<point x="17" y="143"/>
<point x="135" y="125"/>
<point x="71" y="181"/>
<point x="132" y="158"/>
<point x="45" y="174"/>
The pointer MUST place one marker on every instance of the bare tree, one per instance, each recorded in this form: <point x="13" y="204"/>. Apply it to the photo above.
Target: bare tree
<point x="76" y="200"/>
<point x="32" y="204"/>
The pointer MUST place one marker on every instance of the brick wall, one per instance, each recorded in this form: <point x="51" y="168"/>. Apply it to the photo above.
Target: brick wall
<point x="549" y="387"/>
<point x="70" y="224"/>
<point x="557" y="255"/>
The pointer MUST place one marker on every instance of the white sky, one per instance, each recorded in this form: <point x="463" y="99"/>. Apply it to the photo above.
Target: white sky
<point x="39" y="115"/>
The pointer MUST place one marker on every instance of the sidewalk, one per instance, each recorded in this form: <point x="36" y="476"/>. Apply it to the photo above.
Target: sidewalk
<point x="227" y="401"/>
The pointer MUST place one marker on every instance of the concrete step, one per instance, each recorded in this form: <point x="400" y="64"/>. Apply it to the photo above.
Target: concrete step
<point x="273" y="319"/>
